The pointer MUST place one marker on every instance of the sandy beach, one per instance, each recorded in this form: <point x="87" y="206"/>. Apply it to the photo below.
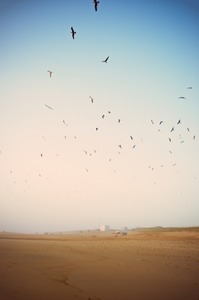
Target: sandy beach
<point x="142" y="265"/>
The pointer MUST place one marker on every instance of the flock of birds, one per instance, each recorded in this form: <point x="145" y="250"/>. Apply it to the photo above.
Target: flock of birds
<point x="120" y="146"/>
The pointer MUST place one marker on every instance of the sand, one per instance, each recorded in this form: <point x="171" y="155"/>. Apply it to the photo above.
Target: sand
<point x="141" y="265"/>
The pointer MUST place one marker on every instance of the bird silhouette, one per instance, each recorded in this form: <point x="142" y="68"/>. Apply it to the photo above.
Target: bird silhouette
<point x="120" y="146"/>
<point x="179" y="122"/>
<point x="131" y="137"/>
<point x="172" y="129"/>
<point x="65" y="123"/>
<point x="181" y="97"/>
<point x="169" y="139"/>
<point x="91" y="99"/>
<point x="119" y="120"/>
<point x="103" y="116"/>
<point x="160" y="122"/>
<point x="48" y="106"/>
<point x="73" y="32"/>
<point x="96" y="4"/>
<point x="50" y="73"/>
<point x="152" y="122"/>
<point x="189" y="88"/>
<point x="105" y="61"/>
<point x="134" y="146"/>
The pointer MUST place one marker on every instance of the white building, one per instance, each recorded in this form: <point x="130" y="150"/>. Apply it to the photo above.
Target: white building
<point x="104" y="227"/>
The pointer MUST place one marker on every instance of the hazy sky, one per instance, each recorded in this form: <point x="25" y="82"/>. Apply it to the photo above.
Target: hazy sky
<point x="57" y="172"/>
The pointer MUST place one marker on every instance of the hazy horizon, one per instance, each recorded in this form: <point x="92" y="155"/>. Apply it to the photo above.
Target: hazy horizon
<point x="130" y="156"/>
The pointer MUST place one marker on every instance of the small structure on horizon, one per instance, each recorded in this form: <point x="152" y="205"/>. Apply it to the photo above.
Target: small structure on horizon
<point x="104" y="227"/>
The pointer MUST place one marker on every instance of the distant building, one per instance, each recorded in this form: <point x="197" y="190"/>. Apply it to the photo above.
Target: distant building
<point x="104" y="227"/>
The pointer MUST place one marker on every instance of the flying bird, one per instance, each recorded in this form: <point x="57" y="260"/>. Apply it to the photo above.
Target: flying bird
<point x="179" y="122"/>
<point x="172" y="129"/>
<point x="85" y="152"/>
<point x="48" y="106"/>
<point x="120" y="146"/>
<point x="65" y="123"/>
<point x="119" y="120"/>
<point x="73" y="32"/>
<point x="50" y="73"/>
<point x="134" y="146"/>
<point x="131" y="137"/>
<point x="105" y="61"/>
<point x="189" y="88"/>
<point x="96" y="4"/>
<point x="160" y="122"/>
<point x="181" y="97"/>
<point x="169" y="139"/>
<point x="91" y="99"/>
<point x="103" y="116"/>
<point x="152" y="122"/>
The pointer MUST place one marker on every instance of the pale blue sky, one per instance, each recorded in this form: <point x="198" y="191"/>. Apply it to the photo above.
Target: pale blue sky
<point x="153" y="51"/>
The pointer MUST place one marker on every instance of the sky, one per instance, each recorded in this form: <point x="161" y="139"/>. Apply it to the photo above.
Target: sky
<point x="69" y="163"/>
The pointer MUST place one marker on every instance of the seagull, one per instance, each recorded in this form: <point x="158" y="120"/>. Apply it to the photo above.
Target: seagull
<point x="105" y="61"/>
<point x="179" y="122"/>
<point x="65" y="123"/>
<point x="96" y="4"/>
<point x="131" y="137"/>
<point x="91" y="99"/>
<point x="48" y="106"/>
<point x="172" y="129"/>
<point x="50" y="73"/>
<point x="73" y="33"/>
<point x="160" y="122"/>
<point x="181" y="97"/>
